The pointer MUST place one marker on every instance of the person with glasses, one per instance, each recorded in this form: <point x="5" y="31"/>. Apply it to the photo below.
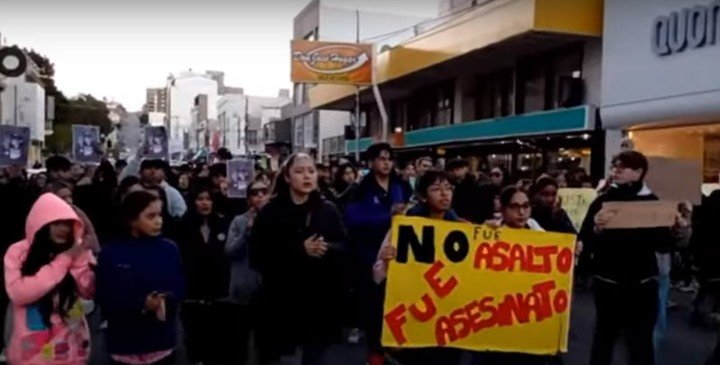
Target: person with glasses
<point x="625" y="266"/>
<point x="436" y="195"/>
<point x="516" y="213"/>
<point x="244" y="281"/>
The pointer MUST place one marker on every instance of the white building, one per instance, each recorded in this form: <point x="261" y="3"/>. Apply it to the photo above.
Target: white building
<point x="231" y="123"/>
<point x="326" y="23"/>
<point x="183" y="89"/>
<point x="24" y="105"/>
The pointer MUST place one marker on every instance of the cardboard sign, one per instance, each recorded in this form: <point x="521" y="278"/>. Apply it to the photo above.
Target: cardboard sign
<point x="86" y="144"/>
<point x="14" y="145"/>
<point x="156" y="143"/>
<point x="576" y="203"/>
<point x="675" y="179"/>
<point x="477" y="288"/>
<point x="240" y="173"/>
<point x="644" y="214"/>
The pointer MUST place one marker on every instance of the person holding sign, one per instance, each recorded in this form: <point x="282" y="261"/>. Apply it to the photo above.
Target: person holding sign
<point x="436" y="195"/>
<point x="297" y="245"/>
<point x="624" y="266"/>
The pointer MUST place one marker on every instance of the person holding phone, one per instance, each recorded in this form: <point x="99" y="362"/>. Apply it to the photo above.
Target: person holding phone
<point x="297" y="245"/>
<point x="141" y="282"/>
<point x="46" y="275"/>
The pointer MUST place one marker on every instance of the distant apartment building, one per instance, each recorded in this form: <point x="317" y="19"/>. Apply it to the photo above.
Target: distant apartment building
<point x="156" y="100"/>
<point x="319" y="22"/>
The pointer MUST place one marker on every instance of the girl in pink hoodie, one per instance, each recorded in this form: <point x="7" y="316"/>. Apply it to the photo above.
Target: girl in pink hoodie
<point x="45" y="276"/>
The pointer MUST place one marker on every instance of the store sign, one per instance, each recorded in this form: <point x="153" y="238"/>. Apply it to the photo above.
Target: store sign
<point x="689" y="28"/>
<point x="331" y="63"/>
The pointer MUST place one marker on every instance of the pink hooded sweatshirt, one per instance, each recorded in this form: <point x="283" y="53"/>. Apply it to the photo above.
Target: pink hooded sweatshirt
<point x="67" y="341"/>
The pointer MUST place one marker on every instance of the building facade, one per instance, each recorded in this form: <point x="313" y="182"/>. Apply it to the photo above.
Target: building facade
<point x="508" y="83"/>
<point x="183" y="90"/>
<point x="661" y="82"/>
<point x="156" y="100"/>
<point x="332" y="24"/>
<point x="232" y="122"/>
<point x="24" y="104"/>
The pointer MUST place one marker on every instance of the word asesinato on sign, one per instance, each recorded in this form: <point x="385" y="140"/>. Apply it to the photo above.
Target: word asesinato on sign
<point x="690" y="27"/>
<point x="477" y="288"/>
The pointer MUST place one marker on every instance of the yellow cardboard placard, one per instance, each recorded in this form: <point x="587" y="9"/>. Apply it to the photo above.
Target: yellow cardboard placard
<point x="478" y="288"/>
<point x="576" y="203"/>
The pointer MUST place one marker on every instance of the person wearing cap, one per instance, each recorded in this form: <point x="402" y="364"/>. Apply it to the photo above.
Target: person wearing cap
<point x="152" y="173"/>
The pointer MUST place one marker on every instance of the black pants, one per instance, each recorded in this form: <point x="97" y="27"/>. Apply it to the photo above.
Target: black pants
<point x="216" y="332"/>
<point x="630" y="309"/>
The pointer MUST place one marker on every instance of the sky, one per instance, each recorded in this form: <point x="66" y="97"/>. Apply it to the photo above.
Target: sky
<point x="118" y="48"/>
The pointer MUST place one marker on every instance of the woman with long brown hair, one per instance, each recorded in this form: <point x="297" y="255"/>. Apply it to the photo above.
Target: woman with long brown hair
<point x="297" y="245"/>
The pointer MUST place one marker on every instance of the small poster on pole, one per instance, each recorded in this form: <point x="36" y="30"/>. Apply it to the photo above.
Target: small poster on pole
<point x="86" y="144"/>
<point x="240" y="173"/>
<point x="156" y="144"/>
<point x="14" y="145"/>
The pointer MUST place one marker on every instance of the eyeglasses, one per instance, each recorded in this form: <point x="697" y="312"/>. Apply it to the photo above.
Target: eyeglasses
<point x="518" y="207"/>
<point x="496" y="174"/>
<point x="256" y="192"/>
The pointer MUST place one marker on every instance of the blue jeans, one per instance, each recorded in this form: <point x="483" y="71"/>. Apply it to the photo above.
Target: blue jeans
<point x="662" y="324"/>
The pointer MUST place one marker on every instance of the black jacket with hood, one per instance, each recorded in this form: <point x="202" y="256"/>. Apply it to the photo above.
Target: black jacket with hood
<point x="624" y="256"/>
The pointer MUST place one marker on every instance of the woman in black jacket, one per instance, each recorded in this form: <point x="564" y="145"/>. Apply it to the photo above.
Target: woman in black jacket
<point x="297" y="245"/>
<point x="201" y="238"/>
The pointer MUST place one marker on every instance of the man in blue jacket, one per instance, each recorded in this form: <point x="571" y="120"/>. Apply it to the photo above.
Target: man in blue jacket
<point x="368" y="216"/>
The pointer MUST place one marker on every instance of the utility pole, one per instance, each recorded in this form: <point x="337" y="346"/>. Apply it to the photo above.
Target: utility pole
<point x="357" y="95"/>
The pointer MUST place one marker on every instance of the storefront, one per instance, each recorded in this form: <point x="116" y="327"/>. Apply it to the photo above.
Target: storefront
<point x="661" y="79"/>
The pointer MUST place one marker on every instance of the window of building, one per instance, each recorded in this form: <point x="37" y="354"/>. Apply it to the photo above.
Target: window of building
<point x="431" y="106"/>
<point x="494" y="95"/>
<point x="252" y="137"/>
<point x="443" y="112"/>
<point x="550" y="80"/>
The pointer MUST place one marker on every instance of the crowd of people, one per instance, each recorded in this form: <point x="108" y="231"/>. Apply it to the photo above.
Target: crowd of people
<point x="303" y="258"/>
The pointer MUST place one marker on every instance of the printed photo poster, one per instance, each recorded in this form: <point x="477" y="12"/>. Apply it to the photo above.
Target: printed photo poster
<point x="86" y="144"/>
<point x="240" y="173"/>
<point x="14" y="145"/>
<point x="477" y="288"/>
<point x="156" y="143"/>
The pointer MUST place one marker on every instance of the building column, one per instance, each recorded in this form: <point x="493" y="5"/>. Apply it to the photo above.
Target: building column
<point x="613" y="145"/>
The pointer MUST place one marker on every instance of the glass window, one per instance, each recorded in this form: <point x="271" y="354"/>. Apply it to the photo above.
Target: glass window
<point x="494" y="94"/>
<point x="533" y="85"/>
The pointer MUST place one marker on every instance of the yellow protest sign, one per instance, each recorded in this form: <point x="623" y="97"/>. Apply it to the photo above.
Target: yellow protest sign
<point x="576" y="203"/>
<point x="477" y="288"/>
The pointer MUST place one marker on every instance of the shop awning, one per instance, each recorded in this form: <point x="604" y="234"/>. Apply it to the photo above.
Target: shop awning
<point x="556" y="121"/>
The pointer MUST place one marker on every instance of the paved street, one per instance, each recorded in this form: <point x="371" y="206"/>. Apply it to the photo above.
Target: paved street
<point x="684" y="345"/>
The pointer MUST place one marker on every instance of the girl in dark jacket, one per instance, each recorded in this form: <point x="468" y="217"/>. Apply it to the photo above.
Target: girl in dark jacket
<point x="297" y="246"/>
<point x="201" y="239"/>
<point x="140" y="282"/>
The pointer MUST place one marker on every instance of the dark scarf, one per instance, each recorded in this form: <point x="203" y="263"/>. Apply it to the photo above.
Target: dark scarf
<point x="625" y="191"/>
